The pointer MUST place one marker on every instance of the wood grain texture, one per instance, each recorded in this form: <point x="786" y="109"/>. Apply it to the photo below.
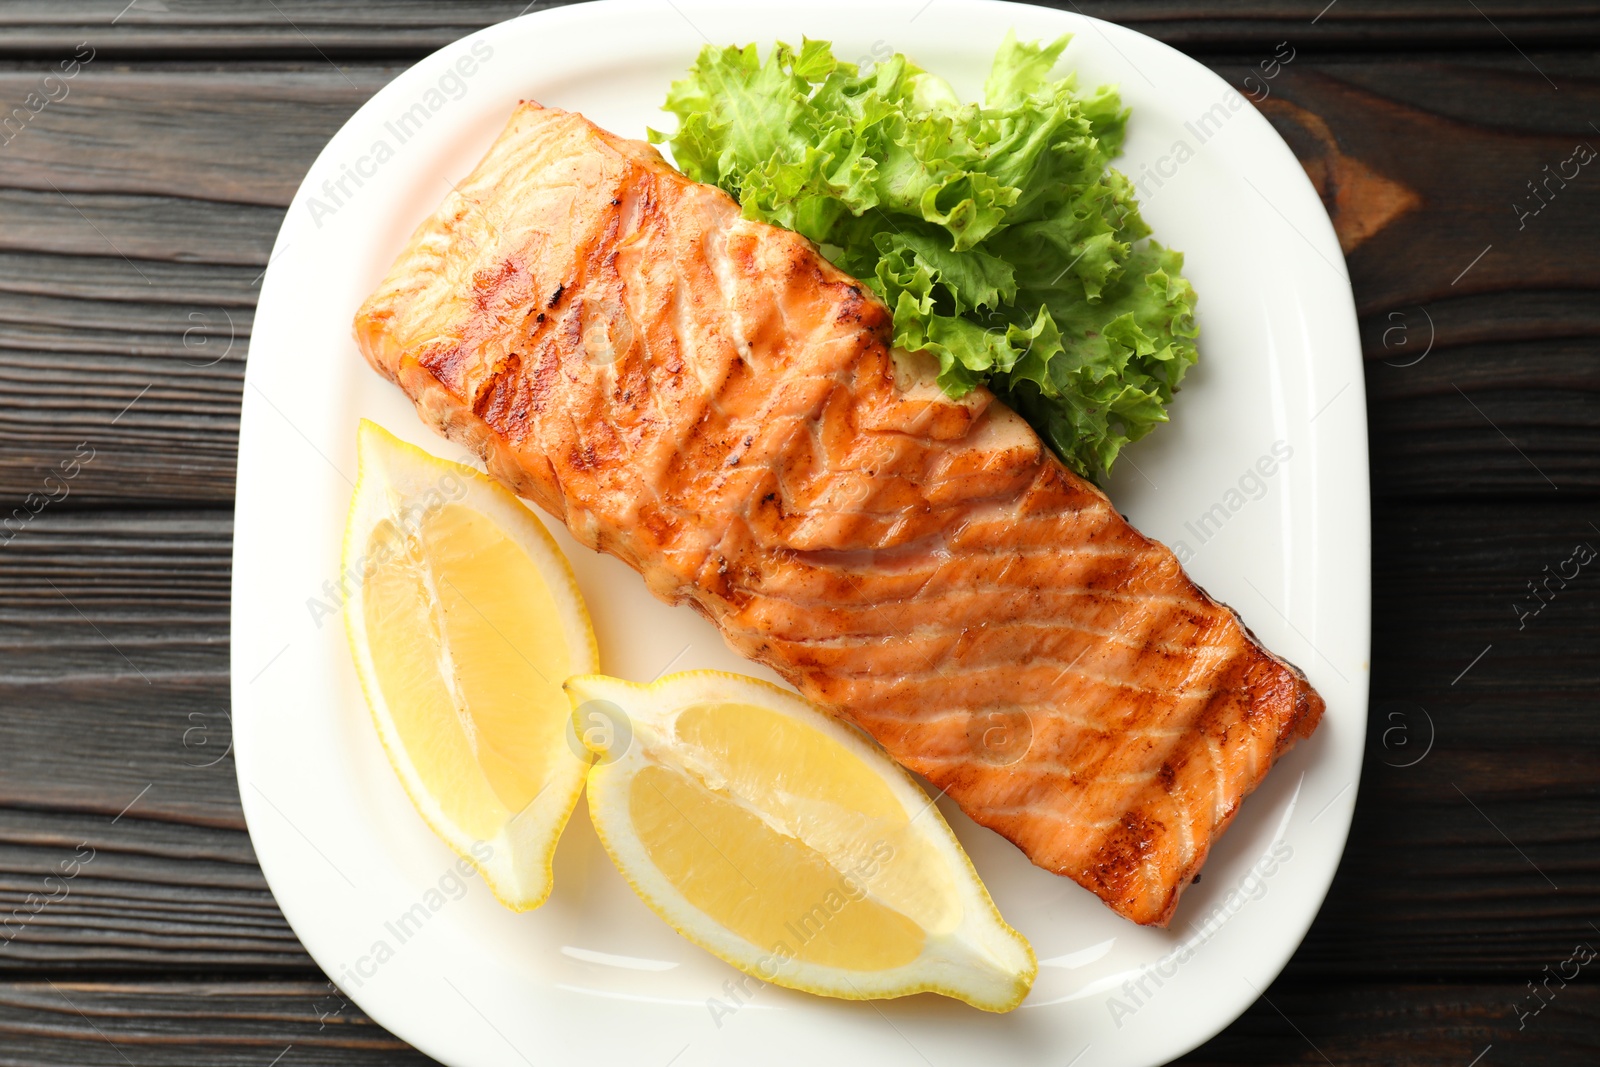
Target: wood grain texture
<point x="241" y="136"/>
<point x="124" y="322"/>
<point x="1420" y="1025"/>
<point x="137" y="215"/>
<point x="214" y="1024"/>
<point x="144" y="892"/>
<point x="413" y="27"/>
<point x="182" y="1023"/>
<point x="1422" y="132"/>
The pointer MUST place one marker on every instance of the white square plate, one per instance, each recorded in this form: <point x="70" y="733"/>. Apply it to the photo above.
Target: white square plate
<point x="594" y="977"/>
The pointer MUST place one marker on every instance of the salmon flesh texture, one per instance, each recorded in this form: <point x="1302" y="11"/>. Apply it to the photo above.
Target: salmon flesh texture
<point x="708" y="399"/>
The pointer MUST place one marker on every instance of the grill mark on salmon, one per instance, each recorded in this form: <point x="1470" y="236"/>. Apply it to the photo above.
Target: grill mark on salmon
<point x="709" y="400"/>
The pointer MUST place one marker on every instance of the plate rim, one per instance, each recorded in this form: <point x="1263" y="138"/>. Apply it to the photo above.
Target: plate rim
<point x="597" y="11"/>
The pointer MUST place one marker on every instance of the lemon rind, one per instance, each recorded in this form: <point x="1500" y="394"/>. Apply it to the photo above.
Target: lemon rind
<point x="528" y="850"/>
<point x="953" y="958"/>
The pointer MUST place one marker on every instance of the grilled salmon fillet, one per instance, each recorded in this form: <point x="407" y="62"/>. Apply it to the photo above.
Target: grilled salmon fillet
<point x="708" y="399"/>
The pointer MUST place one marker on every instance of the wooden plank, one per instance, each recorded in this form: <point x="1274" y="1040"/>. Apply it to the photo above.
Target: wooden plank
<point x="115" y="564"/>
<point x="114" y="677"/>
<point x="1482" y="757"/>
<point x="113" y="650"/>
<point x="96" y="742"/>
<point x="208" y="1023"/>
<point x="1403" y="337"/>
<point x="212" y="1024"/>
<point x="413" y="27"/>
<point x="1481" y="359"/>
<point x="240" y="136"/>
<point x="139" y="368"/>
<point x="1306" y="1021"/>
<point x="1471" y="862"/>
<point x="136" y="890"/>
<point x="151" y="231"/>
<point x="1506" y="418"/>
<point x="1422" y="168"/>
<point x="159" y="426"/>
<point x="1451" y="578"/>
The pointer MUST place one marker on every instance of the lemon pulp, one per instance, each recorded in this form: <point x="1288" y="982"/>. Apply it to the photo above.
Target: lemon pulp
<point x="787" y="844"/>
<point x="815" y="791"/>
<point x="464" y="622"/>
<point x="470" y="655"/>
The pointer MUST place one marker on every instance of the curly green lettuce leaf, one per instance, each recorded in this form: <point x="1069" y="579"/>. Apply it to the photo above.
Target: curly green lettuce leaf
<point x="998" y="234"/>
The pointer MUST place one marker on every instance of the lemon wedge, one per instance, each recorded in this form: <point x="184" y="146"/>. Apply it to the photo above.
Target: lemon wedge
<point x="784" y="842"/>
<point x="464" y="619"/>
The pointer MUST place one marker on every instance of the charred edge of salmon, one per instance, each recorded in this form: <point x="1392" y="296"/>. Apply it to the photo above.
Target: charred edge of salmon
<point x="1308" y="703"/>
<point x="1122" y="853"/>
<point x="1113" y="875"/>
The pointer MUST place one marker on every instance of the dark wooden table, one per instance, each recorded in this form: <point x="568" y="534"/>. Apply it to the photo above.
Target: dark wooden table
<point x="137" y="208"/>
